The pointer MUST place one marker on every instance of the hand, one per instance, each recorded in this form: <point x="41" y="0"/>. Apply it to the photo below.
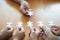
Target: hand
<point x="19" y="34"/>
<point x="6" y="33"/>
<point x="25" y="8"/>
<point x="55" y="30"/>
<point x="34" y="34"/>
<point x="46" y="34"/>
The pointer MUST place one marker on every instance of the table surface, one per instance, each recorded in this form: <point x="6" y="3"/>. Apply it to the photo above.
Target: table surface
<point x="44" y="10"/>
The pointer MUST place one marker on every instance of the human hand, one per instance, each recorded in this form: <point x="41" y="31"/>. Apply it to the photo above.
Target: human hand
<point x="25" y="8"/>
<point x="19" y="34"/>
<point x="34" y="34"/>
<point x="6" y="32"/>
<point x="46" y="34"/>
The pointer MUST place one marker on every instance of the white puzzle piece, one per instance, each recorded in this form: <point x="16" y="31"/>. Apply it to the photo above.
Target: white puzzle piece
<point x="40" y="24"/>
<point x="30" y="25"/>
<point x="9" y="24"/>
<point x="19" y="24"/>
<point x="51" y="23"/>
<point x="30" y="12"/>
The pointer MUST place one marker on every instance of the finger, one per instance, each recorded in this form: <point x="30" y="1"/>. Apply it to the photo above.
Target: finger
<point x="7" y="28"/>
<point x="32" y="30"/>
<point x="46" y="30"/>
<point x="41" y="29"/>
<point x="10" y="30"/>
<point x="36" y="31"/>
<point x="20" y="29"/>
<point x="54" y="28"/>
<point x="22" y="9"/>
<point x="55" y="31"/>
<point x="42" y="34"/>
<point x="29" y="32"/>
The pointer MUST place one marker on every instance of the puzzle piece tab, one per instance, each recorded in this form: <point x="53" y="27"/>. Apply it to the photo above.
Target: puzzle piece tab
<point x="19" y="24"/>
<point x="9" y="24"/>
<point x="51" y="23"/>
<point x="30" y="12"/>
<point x="30" y="24"/>
<point x="40" y="23"/>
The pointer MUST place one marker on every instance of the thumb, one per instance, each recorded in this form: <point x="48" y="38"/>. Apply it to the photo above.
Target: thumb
<point x="9" y="29"/>
<point x="20" y="29"/>
<point x="37" y="31"/>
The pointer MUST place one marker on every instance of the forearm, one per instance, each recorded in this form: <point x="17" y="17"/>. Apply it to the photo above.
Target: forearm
<point x="34" y="39"/>
<point x="18" y="1"/>
<point x="16" y="39"/>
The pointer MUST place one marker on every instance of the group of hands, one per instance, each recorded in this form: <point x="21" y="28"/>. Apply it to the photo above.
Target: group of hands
<point x="51" y="32"/>
<point x="45" y="32"/>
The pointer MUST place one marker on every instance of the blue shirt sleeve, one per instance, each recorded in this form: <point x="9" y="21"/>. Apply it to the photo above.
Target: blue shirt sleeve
<point x="59" y="38"/>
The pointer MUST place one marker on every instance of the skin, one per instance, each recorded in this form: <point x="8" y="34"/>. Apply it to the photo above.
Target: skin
<point x="46" y="34"/>
<point x="34" y="34"/>
<point x="18" y="1"/>
<point x="22" y="8"/>
<point x="6" y="33"/>
<point x="19" y="34"/>
<point x="51" y="34"/>
<point x="25" y="7"/>
<point x="55" y="30"/>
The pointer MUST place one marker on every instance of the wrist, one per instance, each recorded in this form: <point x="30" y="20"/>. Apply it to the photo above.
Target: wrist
<point x="15" y="39"/>
<point x="33" y="39"/>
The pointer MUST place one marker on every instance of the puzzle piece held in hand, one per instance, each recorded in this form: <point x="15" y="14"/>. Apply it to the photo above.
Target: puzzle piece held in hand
<point x="30" y="24"/>
<point x="51" y="23"/>
<point x="19" y="24"/>
<point x="30" y="12"/>
<point x="40" y="24"/>
<point x="9" y="24"/>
